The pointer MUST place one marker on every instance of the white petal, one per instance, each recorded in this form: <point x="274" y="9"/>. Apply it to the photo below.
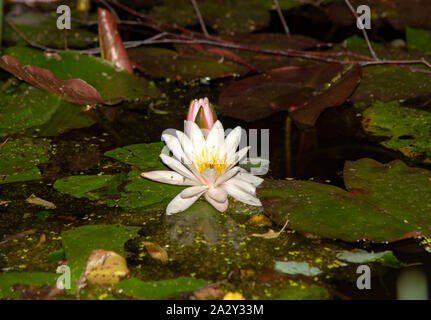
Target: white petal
<point x="179" y="204"/>
<point x="240" y="194"/>
<point x="210" y="176"/>
<point x="187" y="148"/>
<point x="175" y="146"/>
<point x="237" y="157"/>
<point x="219" y="206"/>
<point x="196" y="137"/>
<point x="231" y="142"/>
<point x="243" y="185"/>
<point x="170" y="177"/>
<point x="186" y="144"/>
<point x="248" y="177"/>
<point x="227" y="175"/>
<point x="193" y="191"/>
<point x="215" y="137"/>
<point x="177" y="166"/>
<point x="217" y="194"/>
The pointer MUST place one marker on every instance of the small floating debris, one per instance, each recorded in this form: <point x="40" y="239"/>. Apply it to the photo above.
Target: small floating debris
<point x="33" y="199"/>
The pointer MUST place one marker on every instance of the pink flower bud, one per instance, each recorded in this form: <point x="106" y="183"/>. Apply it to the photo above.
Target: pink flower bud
<point x="204" y="117"/>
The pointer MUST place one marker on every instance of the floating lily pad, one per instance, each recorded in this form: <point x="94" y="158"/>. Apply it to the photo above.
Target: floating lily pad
<point x="131" y="191"/>
<point x="304" y="292"/>
<point x="142" y="193"/>
<point x="25" y="106"/>
<point x="19" y="159"/>
<point x="375" y="207"/>
<point x="294" y="268"/>
<point x="159" y="289"/>
<point x="406" y="129"/>
<point x="419" y="39"/>
<point x="56" y="255"/>
<point x="142" y="155"/>
<point x="9" y="279"/>
<point x="79" y="243"/>
<point x="166" y="63"/>
<point x="68" y="116"/>
<point x="303" y="91"/>
<point x="386" y="258"/>
<point x="82" y="186"/>
<point x="112" y="85"/>
<point x="227" y="17"/>
<point x="42" y="29"/>
<point x="387" y="83"/>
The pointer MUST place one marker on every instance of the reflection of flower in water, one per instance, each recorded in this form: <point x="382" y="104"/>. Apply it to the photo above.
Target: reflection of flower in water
<point x="203" y="225"/>
<point x="206" y="165"/>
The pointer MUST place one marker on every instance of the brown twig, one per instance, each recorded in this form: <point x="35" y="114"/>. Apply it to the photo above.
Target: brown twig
<point x="283" y="21"/>
<point x="4" y="142"/>
<point x="30" y="42"/>
<point x="186" y="36"/>
<point x="201" y="20"/>
<point x="373" y="54"/>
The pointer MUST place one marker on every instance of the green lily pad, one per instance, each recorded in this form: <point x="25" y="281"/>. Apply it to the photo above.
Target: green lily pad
<point x="82" y="186"/>
<point x="143" y="193"/>
<point x="294" y="268"/>
<point x="375" y="207"/>
<point x="25" y="106"/>
<point x="159" y="289"/>
<point x="406" y="129"/>
<point x="131" y="191"/>
<point x="166" y="63"/>
<point x="19" y="159"/>
<point x="80" y="242"/>
<point x="67" y="116"/>
<point x="358" y="42"/>
<point x="9" y="279"/>
<point x="56" y="255"/>
<point x="43" y="215"/>
<point x="418" y="39"/>
<point x="386" y="258"/>
<point x="42" y="29"/>
<point x="113" y="85"/>
<point x="304" y="292"/>
<point x="142" y="155"/>
<point x="387" y="83"/>
<point x="228" y="17"/>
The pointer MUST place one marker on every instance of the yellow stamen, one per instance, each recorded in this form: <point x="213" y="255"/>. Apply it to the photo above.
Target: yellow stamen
<point x="211" y="160"/>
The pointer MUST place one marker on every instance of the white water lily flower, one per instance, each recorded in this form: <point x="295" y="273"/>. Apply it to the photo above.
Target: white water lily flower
<point x="208" y="167"/>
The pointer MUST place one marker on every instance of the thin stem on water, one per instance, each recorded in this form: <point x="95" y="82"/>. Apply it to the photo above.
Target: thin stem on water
<point x="283" y="21"/>
<point x="201" y="20"/>
<point x="373" y="54"/>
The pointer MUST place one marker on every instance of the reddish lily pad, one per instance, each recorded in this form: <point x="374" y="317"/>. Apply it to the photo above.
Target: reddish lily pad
<point x="78" y="78"/>
<point x="281" y="89"/>
<point x="334" y="96"/>
<point x="376" y="205"/>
